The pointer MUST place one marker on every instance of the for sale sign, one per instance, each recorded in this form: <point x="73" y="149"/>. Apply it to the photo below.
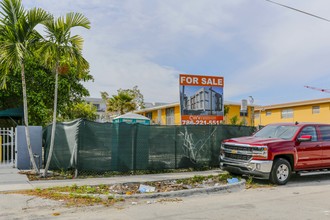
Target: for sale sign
<point x="201" y="99"/>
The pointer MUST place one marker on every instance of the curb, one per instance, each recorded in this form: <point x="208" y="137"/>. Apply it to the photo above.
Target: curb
<point x="234" y="187"/>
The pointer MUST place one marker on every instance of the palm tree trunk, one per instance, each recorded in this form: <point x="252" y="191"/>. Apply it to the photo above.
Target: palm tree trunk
<point x="52" y="137"/>
<point x="26" y="122"/>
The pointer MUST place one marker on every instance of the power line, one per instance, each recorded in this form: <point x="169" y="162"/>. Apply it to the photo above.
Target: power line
<point x="295" y="9"/>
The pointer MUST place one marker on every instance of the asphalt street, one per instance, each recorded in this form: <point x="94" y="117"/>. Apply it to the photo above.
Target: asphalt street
<point x="302" y="198"/>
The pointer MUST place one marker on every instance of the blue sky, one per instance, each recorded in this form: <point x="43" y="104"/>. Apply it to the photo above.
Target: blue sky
<point x="261" y="49"/>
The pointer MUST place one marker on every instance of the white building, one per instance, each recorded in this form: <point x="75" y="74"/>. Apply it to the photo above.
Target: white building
<point x="101" y="108"/>
<point x="205" y="100"/>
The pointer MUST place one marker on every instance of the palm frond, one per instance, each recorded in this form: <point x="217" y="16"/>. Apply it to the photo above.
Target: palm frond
<point x="77" y="42"/>
<point x="48" y="52"/>
<point x="77" y="19"/>
<point x="61" y="46"/>
<point x="3" y="78"/>
<point x="11" y="11"/>
<point x="37" y="16"/>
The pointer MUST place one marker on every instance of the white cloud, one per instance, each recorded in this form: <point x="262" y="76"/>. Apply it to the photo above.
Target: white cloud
<point x="125" y="70"/>
<point x="292" y="52"/>
<point x="260" y="48"/>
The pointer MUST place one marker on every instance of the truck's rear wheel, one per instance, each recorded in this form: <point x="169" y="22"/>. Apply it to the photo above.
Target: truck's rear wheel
<point x="281" y="172"/>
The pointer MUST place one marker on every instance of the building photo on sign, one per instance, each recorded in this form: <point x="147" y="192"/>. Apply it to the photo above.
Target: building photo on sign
<point x="201" y="99"/>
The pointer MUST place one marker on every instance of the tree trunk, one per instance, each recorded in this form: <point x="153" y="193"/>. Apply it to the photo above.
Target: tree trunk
<point x="26" y="121"/>
<point x="52" y="137"/>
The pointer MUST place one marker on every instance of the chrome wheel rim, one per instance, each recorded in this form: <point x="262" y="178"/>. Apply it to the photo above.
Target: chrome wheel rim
<point x="282" y="172"/>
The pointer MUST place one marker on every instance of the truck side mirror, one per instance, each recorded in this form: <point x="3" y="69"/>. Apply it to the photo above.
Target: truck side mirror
<point x="304" y="138"/>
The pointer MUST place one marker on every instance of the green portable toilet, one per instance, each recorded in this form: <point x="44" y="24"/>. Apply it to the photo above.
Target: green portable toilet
<point x="131" y="118"/>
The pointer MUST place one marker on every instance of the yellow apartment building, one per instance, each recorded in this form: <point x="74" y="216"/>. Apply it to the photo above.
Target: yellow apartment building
<point x="170" y="114"/>
<point x="316" y="110"/>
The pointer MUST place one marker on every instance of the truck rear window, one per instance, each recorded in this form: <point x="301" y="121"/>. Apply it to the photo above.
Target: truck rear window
<point x="325" y="132"/>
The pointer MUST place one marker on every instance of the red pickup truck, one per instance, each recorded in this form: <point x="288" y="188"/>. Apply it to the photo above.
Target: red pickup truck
<point x="278" y="150"/>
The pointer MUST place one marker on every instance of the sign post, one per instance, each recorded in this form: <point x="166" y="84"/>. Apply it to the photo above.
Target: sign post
<point x="244" y="110"/>
<point x="201" y="99"/>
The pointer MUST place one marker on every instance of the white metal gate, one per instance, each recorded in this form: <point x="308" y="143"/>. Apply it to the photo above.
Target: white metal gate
<point x="7" y="146"/>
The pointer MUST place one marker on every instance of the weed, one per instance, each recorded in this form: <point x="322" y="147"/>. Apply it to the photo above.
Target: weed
<point x="224" y="176"/>
<point x="74" y="187"/>
<point x="249" y="181"/>
<point x="120" y="199"/>
<point x="91" y="190"/>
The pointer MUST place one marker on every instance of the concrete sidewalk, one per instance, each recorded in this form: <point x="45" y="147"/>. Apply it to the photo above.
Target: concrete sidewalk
<point x="11" y="180"/>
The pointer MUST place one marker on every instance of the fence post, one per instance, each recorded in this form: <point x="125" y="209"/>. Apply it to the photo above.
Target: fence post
<point x="134" y="145"/>
<point x="12" y="146"/>
<point x="175" y="148"/>
<point x="7" y="131"/>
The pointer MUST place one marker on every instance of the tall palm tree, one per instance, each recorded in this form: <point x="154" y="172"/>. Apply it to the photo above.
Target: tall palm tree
<point x="59" y="51"/>
<point x="18" y="37"/>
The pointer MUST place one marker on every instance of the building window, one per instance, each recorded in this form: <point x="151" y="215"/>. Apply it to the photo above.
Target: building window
<point x="256" y="115"/>
<point x="149" y="115"/>
<point x="97" y="106"/>
<point x="243" y="114"/>
<point x="159" y="116"/>
<point x="170" y="116"/>
<point x="287" y="113"/>
<point x="268" y="113"/>
<point x="315" y="109"/>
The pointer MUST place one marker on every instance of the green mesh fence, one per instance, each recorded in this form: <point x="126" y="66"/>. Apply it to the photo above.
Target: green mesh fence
<point x="91" y="147"/>
<point x="65" y="145"/>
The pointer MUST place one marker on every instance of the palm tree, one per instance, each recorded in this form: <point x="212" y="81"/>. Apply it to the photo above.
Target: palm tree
<point x="18" y="36"/>
<point x="121" y="103"/>
<point x="59" y="51"/>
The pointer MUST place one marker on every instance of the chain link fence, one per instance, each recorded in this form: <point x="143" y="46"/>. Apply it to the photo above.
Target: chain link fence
<point x="94" y="148"/>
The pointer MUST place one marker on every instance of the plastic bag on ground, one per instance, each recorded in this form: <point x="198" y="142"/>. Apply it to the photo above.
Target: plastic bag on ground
<point x="146" y="188"/>
<point x="232" y="180"/>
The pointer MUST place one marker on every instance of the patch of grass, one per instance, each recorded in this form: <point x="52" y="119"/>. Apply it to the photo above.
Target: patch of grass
<point x="55" y="175"/>
<point x="221" y="178"/>
<point x="169" y="200"/>
<point x="255" y="183"/>
<point x="101" y="189"/>
<point x="194" y="180"/>
<point x="75" y="195"/>
<point x="224" y="176"/>
<point x="249" y="181"/>
<point x="70" y="198"/>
